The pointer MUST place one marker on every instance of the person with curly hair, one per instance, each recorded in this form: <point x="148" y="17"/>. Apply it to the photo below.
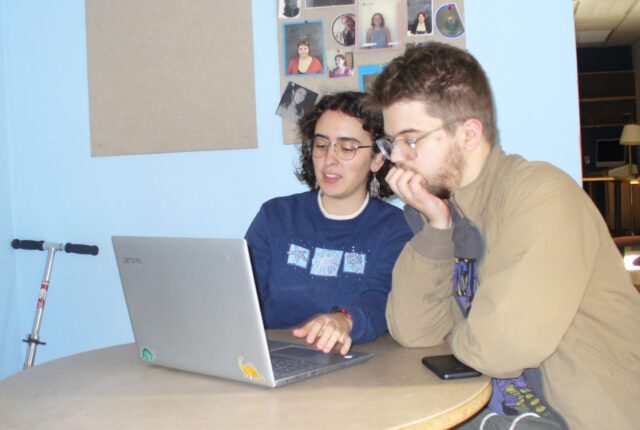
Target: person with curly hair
<point x="323" y="258"/>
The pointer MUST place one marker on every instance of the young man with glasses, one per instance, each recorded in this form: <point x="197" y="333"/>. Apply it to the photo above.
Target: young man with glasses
<point x="323" y="258"/>
<point x="511" y="264"/>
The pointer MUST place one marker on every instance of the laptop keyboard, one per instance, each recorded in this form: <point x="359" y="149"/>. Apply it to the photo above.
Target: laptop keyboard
<point x="285" y="366"/>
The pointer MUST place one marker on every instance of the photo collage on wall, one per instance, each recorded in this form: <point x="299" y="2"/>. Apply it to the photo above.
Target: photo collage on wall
<point x="327" y="46"/>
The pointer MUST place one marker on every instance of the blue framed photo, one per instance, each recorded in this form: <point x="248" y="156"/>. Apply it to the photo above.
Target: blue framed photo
<point x="367" y="75"/>
<point x="303" y="48"/>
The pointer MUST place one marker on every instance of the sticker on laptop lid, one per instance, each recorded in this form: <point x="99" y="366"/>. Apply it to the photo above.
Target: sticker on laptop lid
<point x="147" y="355"/>
<point x="249" y="371"/>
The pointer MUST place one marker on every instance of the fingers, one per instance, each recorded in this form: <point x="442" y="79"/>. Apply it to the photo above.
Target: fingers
<point x="417" y="185"/>
<point x="325" y="331"/>
<point x="411" y="188"/>
<point x="329" y="338"/>
<point x="310" y="330"/>
<point x="408" y="185"/>
<point x="300" y="331"/>
<point x="346" y="345"/>
<point x="314" y="329"/>
<point x="392" y="179"/>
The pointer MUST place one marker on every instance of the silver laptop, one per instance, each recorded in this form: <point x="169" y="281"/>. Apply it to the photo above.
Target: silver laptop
<point x="193" y="306"/>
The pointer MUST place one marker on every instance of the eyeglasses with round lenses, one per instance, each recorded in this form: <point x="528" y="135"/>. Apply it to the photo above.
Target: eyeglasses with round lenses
<point x="405" y="145"/>
<point x="345" y="148"/>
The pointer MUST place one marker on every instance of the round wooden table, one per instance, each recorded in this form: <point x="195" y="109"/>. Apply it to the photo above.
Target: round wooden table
<point x="111" y="388"/>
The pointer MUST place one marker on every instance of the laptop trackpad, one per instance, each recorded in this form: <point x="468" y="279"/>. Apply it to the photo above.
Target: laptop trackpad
<point x="307" y="354"/>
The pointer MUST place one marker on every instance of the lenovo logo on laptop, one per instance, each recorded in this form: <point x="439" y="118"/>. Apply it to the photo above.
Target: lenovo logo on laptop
<point x="132" y="260"/>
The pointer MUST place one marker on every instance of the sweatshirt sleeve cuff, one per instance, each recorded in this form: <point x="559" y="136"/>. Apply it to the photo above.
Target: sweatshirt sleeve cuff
<point x="357" y="330"/>
<point x="433" y="243"/>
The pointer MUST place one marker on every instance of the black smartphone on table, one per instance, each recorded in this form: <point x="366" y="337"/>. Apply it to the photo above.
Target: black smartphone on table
<point x="449" y="367"/>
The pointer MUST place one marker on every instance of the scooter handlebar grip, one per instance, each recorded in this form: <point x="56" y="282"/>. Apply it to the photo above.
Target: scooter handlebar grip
<point x="81" y="249"/>
<point x="28" y="244"/>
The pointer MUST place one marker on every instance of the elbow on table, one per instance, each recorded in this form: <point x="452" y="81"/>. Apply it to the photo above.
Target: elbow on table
<point x="417" y="332"/>
<point x="502" y="360"/>
<point x="413" y="339"/>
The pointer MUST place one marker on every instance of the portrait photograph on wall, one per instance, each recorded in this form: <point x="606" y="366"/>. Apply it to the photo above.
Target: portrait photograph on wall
<point x="295" y="102"/>
<point x="341" y="45"/>
<point x="344" y="29"/>
<point x="304" y="47"/>
<point x="343" y="63"/>
<point x="289" y="8"/>
<point x="368" y="74"/>
<point x="410" y="45"/>
<point x="378" y="24"/>
<point x="448" y="21"/>
<point x="419" y="17"/>
<point x="326" y="3"/>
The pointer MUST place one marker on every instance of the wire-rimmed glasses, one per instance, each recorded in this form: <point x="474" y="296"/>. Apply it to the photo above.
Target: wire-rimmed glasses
<point x="405" y="144"/>
<point x="345" y="148"/>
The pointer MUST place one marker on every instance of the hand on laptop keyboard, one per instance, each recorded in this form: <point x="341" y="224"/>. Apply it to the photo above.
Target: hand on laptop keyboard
<point x="326" y="330"/>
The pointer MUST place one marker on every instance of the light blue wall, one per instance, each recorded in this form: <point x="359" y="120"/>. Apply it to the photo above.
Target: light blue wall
<point x="60" y="193"/>
<point x="531" y="62"/>
<point x="10" y="348"/>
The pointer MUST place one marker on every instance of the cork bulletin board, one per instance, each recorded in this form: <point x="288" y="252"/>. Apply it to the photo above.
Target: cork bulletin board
<point x="350" y="42"/>
<point x="167" y="76"/>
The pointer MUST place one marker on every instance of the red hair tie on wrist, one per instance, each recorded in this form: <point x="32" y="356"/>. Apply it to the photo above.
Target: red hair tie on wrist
<point x="343" y="311"/>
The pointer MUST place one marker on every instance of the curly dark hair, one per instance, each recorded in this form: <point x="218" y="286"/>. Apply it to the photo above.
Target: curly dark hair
<point x="355" y="105"/>
<point x="449" y="80"/>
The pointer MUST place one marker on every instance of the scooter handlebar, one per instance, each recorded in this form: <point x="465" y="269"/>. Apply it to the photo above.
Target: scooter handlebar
<point x="41" y="245"/>
<point x="81" y="249"/>
<point x="28" y="244"/>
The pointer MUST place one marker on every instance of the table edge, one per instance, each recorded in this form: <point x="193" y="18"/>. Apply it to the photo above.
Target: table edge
<point x="453" y="416"/>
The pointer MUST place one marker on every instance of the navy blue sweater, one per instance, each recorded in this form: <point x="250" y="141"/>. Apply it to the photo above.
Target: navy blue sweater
<point x="305" y="264"/>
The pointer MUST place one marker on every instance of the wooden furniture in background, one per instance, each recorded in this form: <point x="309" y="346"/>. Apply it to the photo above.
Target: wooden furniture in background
<point x="607" y="98"/>
<point x="613" y="197"/>
<point x="624" y="242"/>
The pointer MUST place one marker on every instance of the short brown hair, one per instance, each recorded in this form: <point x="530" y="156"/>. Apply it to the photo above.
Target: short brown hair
<point x="449" y="80"/>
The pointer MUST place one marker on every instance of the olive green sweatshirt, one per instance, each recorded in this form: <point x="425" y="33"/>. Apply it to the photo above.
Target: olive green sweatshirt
<point x="552" y="293"/>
